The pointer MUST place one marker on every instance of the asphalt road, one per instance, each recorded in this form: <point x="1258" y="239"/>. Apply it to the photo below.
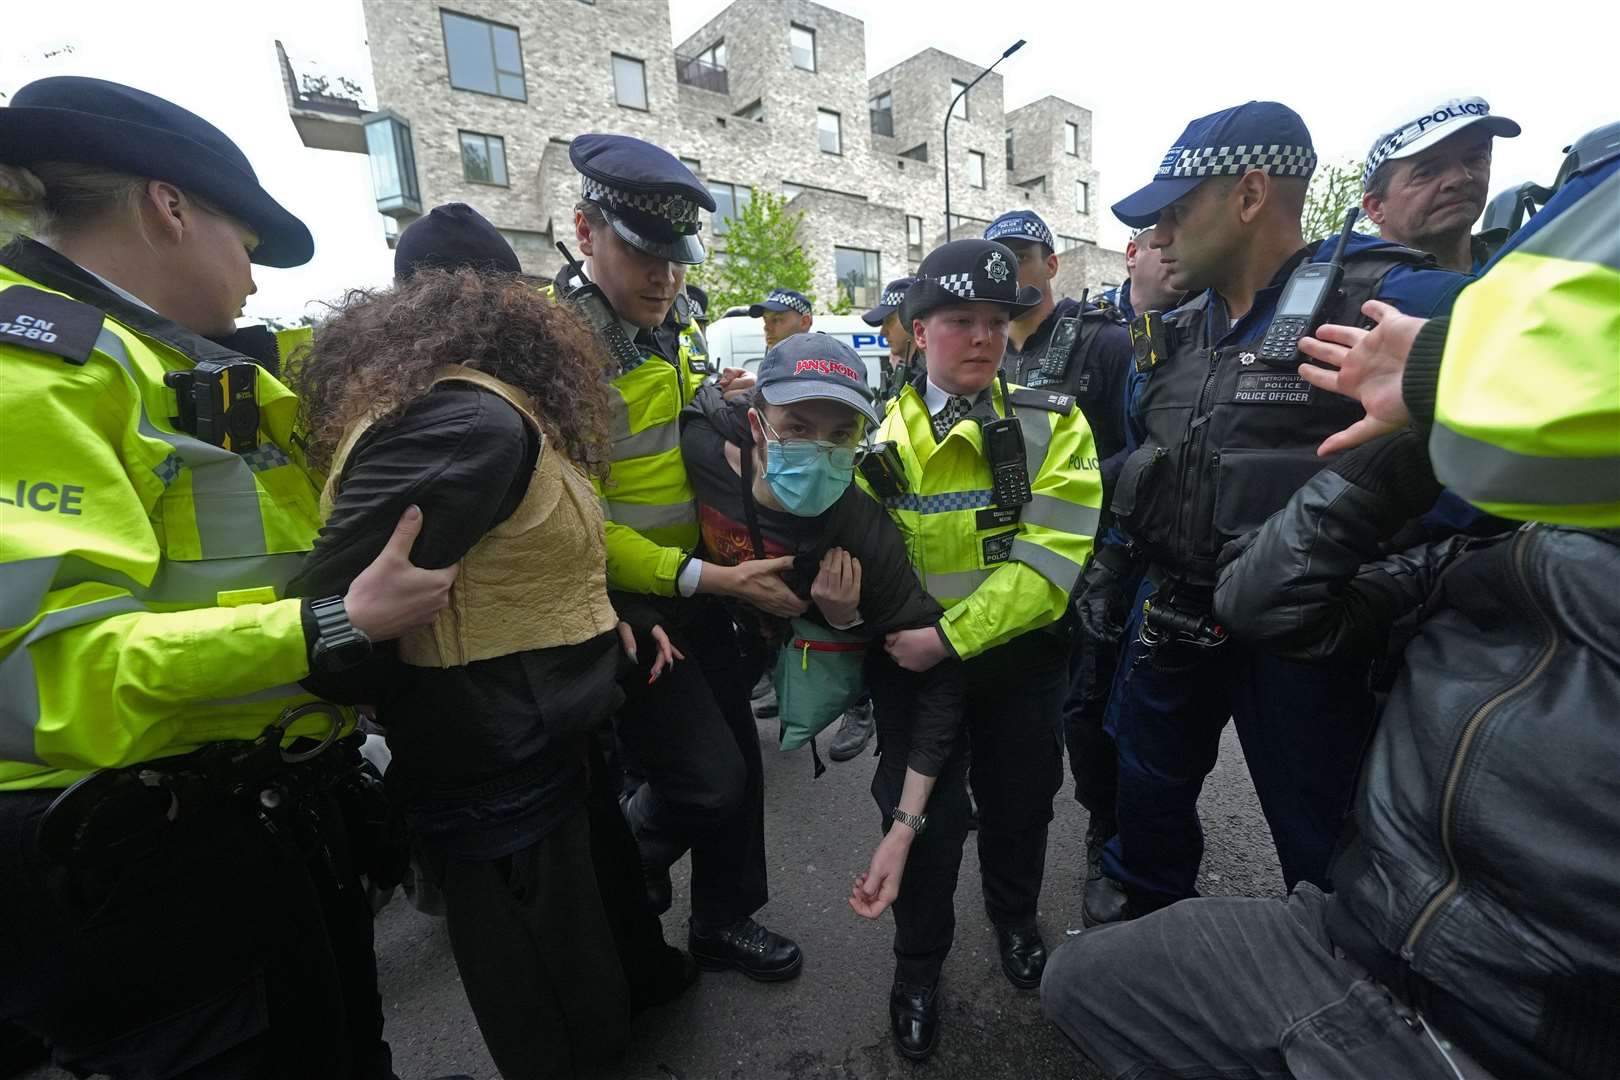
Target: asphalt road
<point x="832" y="1022"/>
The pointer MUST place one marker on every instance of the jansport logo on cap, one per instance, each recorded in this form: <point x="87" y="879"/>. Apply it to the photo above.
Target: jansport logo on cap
<point x="826" y="367"/>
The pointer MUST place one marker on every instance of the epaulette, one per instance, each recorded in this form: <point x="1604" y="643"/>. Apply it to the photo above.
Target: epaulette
<point x="1024" y="397"/>
<point x="48" y="322"/>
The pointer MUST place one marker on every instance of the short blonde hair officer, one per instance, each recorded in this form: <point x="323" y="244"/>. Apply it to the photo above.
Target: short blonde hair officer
<point x="999" y="508"/>
<point x="190" y="903"/>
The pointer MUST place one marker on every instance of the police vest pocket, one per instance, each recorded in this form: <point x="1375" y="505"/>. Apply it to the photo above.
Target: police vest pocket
<point x="1251" y="485"/>
<point x="1143" y="486"/>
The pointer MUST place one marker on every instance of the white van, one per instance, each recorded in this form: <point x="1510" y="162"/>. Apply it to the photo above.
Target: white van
<point x="739" y="341"/>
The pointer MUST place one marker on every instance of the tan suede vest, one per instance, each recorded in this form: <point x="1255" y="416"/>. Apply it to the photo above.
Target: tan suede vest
<point x="536" y="580"/>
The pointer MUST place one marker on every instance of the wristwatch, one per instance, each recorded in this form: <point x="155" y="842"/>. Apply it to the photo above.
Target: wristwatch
<point x="918" y="822"/>
<point x="338" y="645"/>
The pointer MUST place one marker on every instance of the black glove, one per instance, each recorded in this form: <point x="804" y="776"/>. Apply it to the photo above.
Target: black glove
<point x="1396" y="467"/>
<point x="1105" y="594"/>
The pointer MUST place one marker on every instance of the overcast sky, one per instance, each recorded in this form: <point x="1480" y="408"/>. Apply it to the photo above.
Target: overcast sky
<point x="1352" y="71"/>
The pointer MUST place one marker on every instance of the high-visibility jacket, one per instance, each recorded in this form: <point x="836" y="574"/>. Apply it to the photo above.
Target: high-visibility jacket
<point x="997" y="573"/>
<point x="649" y="513"/>
<point x="140" y="568"/>
<point x="1527" y="408"/>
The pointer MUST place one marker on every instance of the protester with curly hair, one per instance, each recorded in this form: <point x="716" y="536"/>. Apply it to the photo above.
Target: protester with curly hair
<point x="470" y="395"/>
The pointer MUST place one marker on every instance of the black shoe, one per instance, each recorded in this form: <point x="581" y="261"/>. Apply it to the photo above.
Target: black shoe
<point x="1102" y="899"/>
<point x="1023" y="955"/>
<point x="659" y="849"/>
<point x="914" y="1019"/>
<point x="747" y="946"/>
<point x="854" y="732"/>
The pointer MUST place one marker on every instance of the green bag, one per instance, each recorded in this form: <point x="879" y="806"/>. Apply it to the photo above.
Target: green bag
<point x="818" y="677"/>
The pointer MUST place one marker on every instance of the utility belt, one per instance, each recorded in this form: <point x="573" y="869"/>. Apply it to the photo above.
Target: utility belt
<point x="1178" y="615"/>
<point x="120" y="814"/>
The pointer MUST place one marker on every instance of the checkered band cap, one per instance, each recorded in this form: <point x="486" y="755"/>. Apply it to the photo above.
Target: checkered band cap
<point x="957" y="284"/>
<point x="1441" y="122"/>
<point x="1020" y="225"/>
<point x="893" y="297"/>
<point x="1274" y="159"/>
<point x="682" y="213"/>
<point x="791" y="299"/>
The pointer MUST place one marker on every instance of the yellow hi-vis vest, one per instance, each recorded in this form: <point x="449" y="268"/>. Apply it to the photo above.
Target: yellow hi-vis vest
<point x="1527" y="407"/>
<point x="997" y="574"/>
<point x="140" y="569"/>
<point x="648" y="510"/>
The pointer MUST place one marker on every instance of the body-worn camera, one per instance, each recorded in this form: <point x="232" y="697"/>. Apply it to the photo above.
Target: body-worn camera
<point x="1150" y="340"/>
<point x="881" y="466"/>
<point x="219" y="403"/>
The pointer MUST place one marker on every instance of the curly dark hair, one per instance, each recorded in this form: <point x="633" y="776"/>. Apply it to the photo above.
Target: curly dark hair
<point x="380" y="349"/>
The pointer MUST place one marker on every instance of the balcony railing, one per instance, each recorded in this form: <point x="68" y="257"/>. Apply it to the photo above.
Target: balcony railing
<point x="882" y="121"/>
<point x="690" y="71"/>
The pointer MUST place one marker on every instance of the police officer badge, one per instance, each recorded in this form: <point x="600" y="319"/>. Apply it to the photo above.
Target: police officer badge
<point x="996" y="267"/>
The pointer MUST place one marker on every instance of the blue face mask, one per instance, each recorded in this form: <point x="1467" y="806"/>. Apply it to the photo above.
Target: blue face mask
<point x="806" y="477"/>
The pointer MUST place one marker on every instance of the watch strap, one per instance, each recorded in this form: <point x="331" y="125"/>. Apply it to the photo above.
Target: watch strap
<point x="916" y="822"/>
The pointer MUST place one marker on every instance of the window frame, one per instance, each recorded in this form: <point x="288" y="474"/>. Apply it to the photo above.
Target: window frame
<point x="914" y="249"/>
<point x="495" y="70"/>
<point x="613" y="69"/>
<point x="1009" y="149"/>
<point x="716" y="219"/>
<point x="976" y="157"/>
<point x="1071" y="148"/>
<point x="1082" y="197"/>
<point x="959" y="86"/>
<point x="875" y="279"/>
<point x="461" y="141"/>
<point x="815" y="59"/>
<point x="838" y="130"/>
<point x="716" y="54"/>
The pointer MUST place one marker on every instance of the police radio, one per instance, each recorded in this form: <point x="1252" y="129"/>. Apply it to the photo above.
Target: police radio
<point x="588" y="299"/>
<point x="219" y="403"/>
<point x="1004" y="449"/>
<point x="880" y="464"/>
<point x="1310" y="289"/>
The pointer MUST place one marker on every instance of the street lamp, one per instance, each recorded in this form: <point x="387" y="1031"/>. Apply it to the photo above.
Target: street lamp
<point x="1014" y="47"/>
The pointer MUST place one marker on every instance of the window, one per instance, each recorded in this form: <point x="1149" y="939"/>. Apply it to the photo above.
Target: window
<point x="882" y="110"/>
<point x="1009" y="150"/>
<point x="802" y="44"/>
<point x="629" y="82"/>
<point x="914" y="238"/>
<point x="692" y="163"/>
<point x="975" y="169"/>
<point x="1071" y="137"/>
<point x="1066" y="243"/>
<point x="484" y="56"/>
<point x="1082" y="197"/>
<point x="714" y="55"/>
<point x="829" y="132"/>
<point x="959" y="109"/>
<point x="483" y="158"/>
<point x="729" y="202"/>
<point x="860" y="276"/>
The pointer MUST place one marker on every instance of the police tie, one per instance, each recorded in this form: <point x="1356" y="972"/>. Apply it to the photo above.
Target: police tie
<point x="955" y="407"/>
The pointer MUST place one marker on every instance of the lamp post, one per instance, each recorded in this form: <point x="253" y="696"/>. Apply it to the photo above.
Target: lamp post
<point x="1014" y="47"/>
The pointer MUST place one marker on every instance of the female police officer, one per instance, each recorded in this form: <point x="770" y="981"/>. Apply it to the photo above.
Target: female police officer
<point x="190" y="908"/>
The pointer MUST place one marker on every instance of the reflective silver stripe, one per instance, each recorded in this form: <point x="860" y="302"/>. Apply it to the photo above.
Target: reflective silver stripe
<point x="19" y="690"/>
<point x="621" y="416"/>
<point x="1060" y="571"/>
<point x="1589" y="231"/>
<point x="274" y="693"/>
<point x="650" y="515"/>
<point x="23" y="584"/>
<point x="1480" y="472"/>
<point x="1051" y="512"/>
<point x="655" y="440"/>
<point x="1037" y="428"/>
<point x="955" y="586"/>
<point x="229" y="520"/>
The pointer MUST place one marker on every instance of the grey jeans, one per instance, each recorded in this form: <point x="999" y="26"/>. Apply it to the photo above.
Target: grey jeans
<point x="1237" y="989"/>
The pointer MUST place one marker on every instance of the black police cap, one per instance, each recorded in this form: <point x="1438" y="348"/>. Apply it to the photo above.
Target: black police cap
<point x="106" y="124"/>
<point x="453" y="237"/>
<point x="966" y="272"/>
<point x="650" y="198"/>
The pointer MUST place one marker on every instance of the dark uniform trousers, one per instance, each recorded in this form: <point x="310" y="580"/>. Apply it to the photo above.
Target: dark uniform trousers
<point x="1013" y="747"/>
<point x="691" y="736"/>
<point x="1303" y="728"/>
<point x="1085" y="716"/>
<point x="223" y="952"/>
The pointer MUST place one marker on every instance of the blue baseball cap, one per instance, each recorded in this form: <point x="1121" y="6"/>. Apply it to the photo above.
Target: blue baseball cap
<point x="1020" y="225"/>
<point x="894" y="294"/>
<point x="1263" y="135"/>
<point x="781" y="300"/>
<point x="808" y="367"/>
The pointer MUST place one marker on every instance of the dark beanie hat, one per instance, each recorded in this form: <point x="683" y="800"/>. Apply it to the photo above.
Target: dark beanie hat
<point x="453" y="237"/>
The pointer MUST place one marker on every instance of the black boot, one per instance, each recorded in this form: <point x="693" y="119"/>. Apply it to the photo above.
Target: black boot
<point x="1102" y="900"/>
<point x="660" y="847"/>
<point x="914" y="1019"/>
<point x="758" y="953"/>
<point x="1023" y="955"/>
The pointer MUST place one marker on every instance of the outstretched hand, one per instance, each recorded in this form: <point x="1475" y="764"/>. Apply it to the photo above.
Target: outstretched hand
<point x="1367" y="365"/>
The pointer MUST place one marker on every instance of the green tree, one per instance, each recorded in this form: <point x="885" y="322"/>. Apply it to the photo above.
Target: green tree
<point x="1333" y="191"/>
<point x="762" y="252"/>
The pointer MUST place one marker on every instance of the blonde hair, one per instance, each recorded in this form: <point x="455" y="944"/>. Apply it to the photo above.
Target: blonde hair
<point x="51" y="198"/>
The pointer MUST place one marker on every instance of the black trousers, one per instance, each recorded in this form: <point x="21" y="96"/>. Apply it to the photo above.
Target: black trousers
<point x="1092" y="757"/>
<point x="1014" y="754"/>
<point x="691" y="737"/>
<point x="223" y="952"/>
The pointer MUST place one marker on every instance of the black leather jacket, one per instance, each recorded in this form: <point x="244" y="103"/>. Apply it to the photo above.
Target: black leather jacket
<point x="1480" y="878"/>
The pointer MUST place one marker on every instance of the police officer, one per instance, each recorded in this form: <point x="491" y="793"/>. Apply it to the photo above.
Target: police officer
<point x="1083" y="350"/>
<point x="1426" y="181"/>
<point x="784" y="313"/>
<point x="1220" y="441"/>
<point x="1147" y="281"/>
<point x="886" y="317"/>
<point x="999" y="509"/>
<point x="180" y="892"/>
<point x="689" y="734"/>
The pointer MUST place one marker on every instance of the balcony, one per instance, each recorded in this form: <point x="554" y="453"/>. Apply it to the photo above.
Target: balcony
<point x="692" y="71"/>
